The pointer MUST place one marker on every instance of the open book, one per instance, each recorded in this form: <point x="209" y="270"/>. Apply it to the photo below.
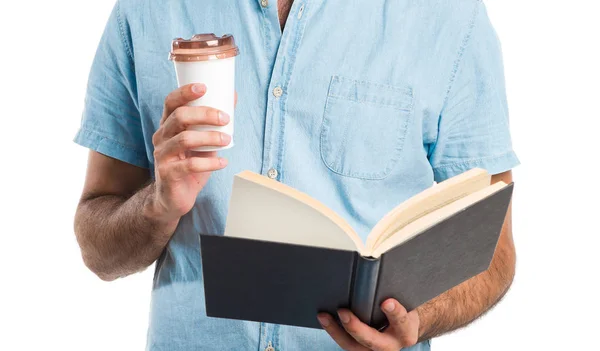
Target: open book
<point x="300" y="257"/>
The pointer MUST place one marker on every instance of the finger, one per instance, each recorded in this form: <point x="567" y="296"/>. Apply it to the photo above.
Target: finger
<point x="401" y="326"/>
<point x="190" y="139"/>
<point x="192" y="153"/>
<point x="182" y="168"/>
<point x="184" y="117"/>
<point x="338" y="334"/>
<point x="365" y="335"/>
<point x="181" y="96"/>
<point x="235" y="99"/>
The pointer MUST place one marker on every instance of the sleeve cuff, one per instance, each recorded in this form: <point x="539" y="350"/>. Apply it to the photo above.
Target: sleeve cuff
<point x="493" y="164"/>
<point x="111" y="148"/>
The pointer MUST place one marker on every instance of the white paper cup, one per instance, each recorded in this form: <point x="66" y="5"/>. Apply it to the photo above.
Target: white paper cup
<point x="210" y="60"/>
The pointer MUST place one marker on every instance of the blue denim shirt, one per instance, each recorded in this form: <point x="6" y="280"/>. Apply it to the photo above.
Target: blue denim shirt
<point x="380" y="99"/>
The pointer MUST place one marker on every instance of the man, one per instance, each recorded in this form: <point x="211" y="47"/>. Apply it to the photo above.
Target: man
<point x="360" y="104"/>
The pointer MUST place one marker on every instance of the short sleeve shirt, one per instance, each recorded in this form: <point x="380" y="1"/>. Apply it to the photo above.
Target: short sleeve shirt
<point x="360" y="104"/>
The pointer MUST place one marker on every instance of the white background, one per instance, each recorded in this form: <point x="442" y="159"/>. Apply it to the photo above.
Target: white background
<point x="48" y="300"/>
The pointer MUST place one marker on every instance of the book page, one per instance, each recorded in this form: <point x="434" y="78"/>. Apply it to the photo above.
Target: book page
<point x="426" y="202"/>
<point x="264" y="209"/>
<point x="420" y="225"/>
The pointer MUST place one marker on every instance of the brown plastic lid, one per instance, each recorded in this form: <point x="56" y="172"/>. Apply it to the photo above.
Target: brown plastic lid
<point x="203" y="47"/>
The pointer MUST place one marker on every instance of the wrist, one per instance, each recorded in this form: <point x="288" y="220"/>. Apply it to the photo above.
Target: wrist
<point x="424" y="323"/>
<point x="158" y="214"/>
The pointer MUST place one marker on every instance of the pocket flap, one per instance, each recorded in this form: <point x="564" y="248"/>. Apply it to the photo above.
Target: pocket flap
<point x="371" y="93"/>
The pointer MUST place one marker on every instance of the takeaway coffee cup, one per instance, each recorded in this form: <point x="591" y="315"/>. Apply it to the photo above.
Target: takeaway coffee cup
<point x="208" y="59"/>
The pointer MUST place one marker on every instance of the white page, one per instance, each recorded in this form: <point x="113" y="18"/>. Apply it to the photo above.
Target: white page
<point x="261" y="213"/>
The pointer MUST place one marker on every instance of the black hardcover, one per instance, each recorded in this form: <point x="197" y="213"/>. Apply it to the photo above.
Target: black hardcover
<point x="289" y="284"/>
<point x="272" y="282"/>
<point x="449" y="253"/>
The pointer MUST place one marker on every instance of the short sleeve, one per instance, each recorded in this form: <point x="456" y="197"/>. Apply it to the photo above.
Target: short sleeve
<point x="111" y="122"/>
<point x="473" y="126"/>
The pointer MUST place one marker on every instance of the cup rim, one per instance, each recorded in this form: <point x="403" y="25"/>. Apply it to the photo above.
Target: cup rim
<point x="203" y="47"/>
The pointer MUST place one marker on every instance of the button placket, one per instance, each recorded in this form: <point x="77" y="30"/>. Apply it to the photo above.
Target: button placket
<point x="274" y="137"/>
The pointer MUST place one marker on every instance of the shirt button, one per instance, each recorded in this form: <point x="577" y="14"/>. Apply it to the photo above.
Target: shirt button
<point x="278" y="92"/>
<point x="272" y="173"/>
<point x="270" y="347"/>
<point x="264" y="3"/>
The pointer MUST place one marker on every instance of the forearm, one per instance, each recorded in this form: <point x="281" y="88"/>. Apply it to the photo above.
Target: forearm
<point x="118" y="235"/>
<point x="465" y="303"/>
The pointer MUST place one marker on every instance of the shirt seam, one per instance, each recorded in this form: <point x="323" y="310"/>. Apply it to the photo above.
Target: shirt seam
<point x="475" y="160"/>
<point x="122" y="32"/>
<point x="372" y="102"/>
<point x="457" y="62"/>
<point x="118" y="143"/>
<point x="407" y="90"/>
<point x="461" y="51"/>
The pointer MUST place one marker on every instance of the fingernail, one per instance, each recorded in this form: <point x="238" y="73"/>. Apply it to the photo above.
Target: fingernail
<point x="389" y="306"/>
<point x="223" y="162"/>
<point x="344" y="316"/>
<point x="225" y="139"/>
<point x="323" y="320"/>
<point x="223" y="117"/>
<point x="199" y="88"/>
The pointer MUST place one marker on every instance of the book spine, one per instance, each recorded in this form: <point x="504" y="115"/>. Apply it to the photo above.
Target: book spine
<point x="364" y="287"/>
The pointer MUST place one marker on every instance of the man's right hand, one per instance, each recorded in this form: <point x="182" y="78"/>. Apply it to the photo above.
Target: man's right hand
<point x="181" y="173"/>
<point x="123" y="226"/>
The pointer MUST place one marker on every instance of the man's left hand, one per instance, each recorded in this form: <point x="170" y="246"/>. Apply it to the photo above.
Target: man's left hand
<point x="403" y="329"/>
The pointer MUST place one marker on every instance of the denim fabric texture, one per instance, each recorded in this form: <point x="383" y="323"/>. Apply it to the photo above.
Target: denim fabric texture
<point x="380" y="99"/>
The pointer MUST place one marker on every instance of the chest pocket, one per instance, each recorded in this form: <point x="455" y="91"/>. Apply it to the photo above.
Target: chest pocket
<point x="364" y="127"/>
